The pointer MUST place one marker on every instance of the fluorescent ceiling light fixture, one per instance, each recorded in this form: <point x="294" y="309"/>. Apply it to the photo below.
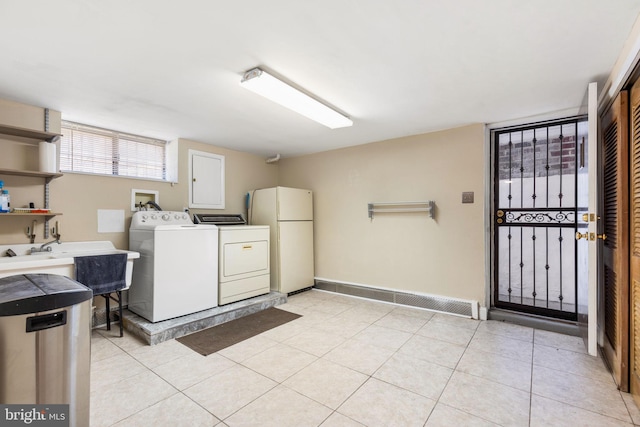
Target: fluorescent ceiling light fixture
<point x="265" y="84"/>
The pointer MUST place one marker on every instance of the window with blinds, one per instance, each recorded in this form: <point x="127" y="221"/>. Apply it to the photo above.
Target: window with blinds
<point x="89" y="149"/>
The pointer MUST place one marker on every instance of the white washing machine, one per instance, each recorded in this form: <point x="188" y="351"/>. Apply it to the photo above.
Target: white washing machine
<point x="243" y="263"/>
<point x="174" y="275"/>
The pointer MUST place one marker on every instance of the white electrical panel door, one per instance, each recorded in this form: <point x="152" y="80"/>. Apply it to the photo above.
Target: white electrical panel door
<point x="206" y="180"/>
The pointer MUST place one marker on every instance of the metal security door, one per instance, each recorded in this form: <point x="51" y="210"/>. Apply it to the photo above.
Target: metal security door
<point x="535" y="218"/>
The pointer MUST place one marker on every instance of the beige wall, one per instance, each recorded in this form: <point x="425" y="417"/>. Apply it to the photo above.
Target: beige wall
<point x="404" y="251"/>
<point x="80" y="196"/>
<point x="408" y="252"/>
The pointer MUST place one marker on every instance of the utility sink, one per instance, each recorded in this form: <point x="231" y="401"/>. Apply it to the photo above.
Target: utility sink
<point x="60" y="260"/>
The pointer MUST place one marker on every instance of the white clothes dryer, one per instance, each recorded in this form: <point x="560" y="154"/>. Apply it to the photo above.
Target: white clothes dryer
<point x="243" y="263"/>
<point x="174" y="275"/>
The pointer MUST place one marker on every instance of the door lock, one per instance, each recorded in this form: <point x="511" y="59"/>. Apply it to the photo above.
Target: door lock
<point x="589" y="217"/>
<point x="590" y="236"/>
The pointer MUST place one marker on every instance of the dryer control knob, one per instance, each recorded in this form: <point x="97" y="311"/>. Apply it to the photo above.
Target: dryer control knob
<point x="185" y="216"/>
<point x="154" y="217"/>
<point x="176" y="216"/>
<point x="166" y="217"/>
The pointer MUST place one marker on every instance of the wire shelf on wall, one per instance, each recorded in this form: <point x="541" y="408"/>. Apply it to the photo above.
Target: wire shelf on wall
<point x="401" y="207"/>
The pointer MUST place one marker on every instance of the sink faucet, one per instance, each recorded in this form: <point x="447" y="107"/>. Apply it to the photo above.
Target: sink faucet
<point x="45" y="247"/>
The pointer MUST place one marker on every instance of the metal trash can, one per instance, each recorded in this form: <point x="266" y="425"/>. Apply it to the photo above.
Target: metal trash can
<point x="45" y="343"/>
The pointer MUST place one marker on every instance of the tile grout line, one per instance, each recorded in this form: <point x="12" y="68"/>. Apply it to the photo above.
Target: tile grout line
<point x="127" y="352"/>
<point x="454" y="370"/>
<point x="627" y="406"/>
<point x="281" y="383"/>
<point x="590" y="379"/>
<point x="533" y="349"/>
<point x="370" y="376"/>
<point x="333" y="411"/>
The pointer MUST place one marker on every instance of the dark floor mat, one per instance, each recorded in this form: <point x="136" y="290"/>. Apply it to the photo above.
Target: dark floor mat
<point x="229" y="333"/>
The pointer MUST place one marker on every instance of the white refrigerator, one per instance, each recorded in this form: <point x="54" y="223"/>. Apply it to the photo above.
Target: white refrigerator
<point x="289" y="214"/>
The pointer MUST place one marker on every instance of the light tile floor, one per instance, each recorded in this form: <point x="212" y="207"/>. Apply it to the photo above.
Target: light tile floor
<point x="352" y="362"/>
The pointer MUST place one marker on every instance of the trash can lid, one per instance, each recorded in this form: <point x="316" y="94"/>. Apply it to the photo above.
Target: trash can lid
<point x="33" y="293"/>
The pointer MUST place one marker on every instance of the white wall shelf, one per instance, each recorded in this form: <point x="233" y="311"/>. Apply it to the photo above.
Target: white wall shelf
<point x="29" y="133"/>
<point x="36" y="136"/>
<point x="46" y="175"/>
<point x="401" y="207"/>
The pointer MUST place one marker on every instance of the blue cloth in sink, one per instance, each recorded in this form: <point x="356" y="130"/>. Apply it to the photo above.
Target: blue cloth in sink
<point x="102" y="273"/>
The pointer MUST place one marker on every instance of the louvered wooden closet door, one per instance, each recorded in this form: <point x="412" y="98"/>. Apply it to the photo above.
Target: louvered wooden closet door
<point x="634" y="344"/>
<point x="615" y="219"/>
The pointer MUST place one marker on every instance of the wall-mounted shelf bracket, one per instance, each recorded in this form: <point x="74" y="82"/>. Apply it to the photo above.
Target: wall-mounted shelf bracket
<point x="401" y="207"/>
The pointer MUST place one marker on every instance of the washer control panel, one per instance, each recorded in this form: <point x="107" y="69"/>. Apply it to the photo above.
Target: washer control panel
<point x="147" y="219"/>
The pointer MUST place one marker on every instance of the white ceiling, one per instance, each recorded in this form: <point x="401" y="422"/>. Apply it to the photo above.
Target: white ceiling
<point x="171" y="69"/>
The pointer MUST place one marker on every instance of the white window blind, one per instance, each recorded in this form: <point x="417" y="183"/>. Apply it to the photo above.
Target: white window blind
<point x="89" y="149"/>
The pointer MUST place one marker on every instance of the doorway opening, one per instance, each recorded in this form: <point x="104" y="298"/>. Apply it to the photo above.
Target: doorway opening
<point x="540" y="180"/>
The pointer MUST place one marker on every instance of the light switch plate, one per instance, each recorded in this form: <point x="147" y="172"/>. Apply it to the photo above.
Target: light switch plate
<point x="467" y="197"/>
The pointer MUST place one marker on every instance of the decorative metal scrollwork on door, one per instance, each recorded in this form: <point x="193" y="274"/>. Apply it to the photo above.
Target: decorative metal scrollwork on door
<point x="536" y="217"/>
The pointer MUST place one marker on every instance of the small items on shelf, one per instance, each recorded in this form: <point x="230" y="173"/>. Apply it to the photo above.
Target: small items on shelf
<point x="401" y="207"/>
<point x="36" y="137"/>
<point x="30" y="210"/>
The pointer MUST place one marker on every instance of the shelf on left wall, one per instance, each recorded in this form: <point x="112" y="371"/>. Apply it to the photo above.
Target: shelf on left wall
<point x="46" y="175"/>
<point x="36" y="135"/>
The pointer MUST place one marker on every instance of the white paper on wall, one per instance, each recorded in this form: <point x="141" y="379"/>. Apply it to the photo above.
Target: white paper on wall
<point x="110" y="221"/>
